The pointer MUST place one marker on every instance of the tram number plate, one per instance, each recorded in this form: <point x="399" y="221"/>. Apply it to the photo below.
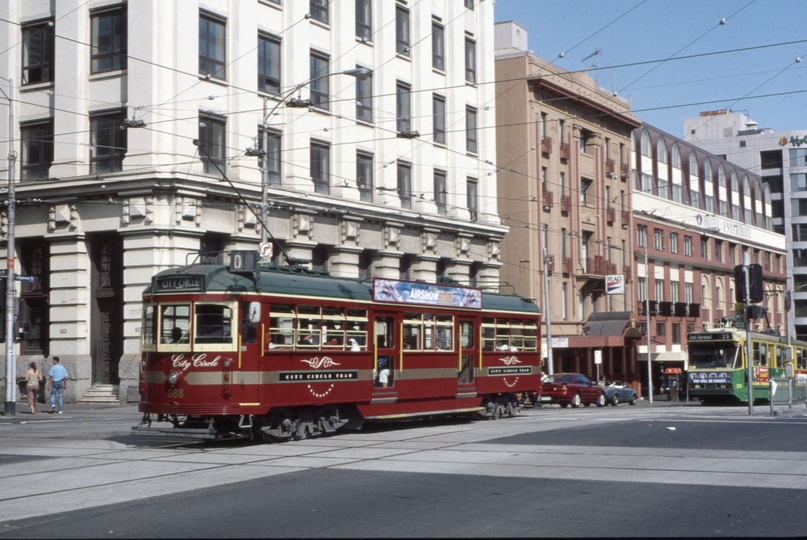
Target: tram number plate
<point x="175" y="392"/>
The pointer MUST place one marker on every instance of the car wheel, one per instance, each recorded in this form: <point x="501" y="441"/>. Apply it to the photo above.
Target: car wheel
<point x="615" y="400"/>
<point x="633" y="399"/>
<point x="601" y="400"/>
<point x="576" y="401"/>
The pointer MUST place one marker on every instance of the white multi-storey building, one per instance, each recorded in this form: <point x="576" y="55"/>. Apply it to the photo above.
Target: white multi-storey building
<point x="138" y="129"/>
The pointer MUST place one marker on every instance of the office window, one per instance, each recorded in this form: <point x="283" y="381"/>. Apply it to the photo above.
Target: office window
<point x="438" y="46"/>
<point x="364" y="170"/>
<point x="212" y="48"/>
<point x="688" y="246"/>
<point x="268" y="65"/>
<point x="659" y="286"/>
<point x="798" y="157"/>
<point x="470" y="60"/>
<point x="585" y="185"/>
<point x="470" y="130"/>
<point x="642" y="289"/>
<point x="473" y="197"/>
<point x="673" y="242"/>
<point x="674" y="290"/>
<point x="705" y="247"/>
<point x="212" y="147"/>
<point x="364" y="19"/>
<point x="321" y="167"/>
<point x="440" y="191"/>
<point x="319" y="9"/>
<point x="364" y="99"/>
<point x="107" y="142"/>
<point x="641" y="236"/>
<point x="564" y="301"/>
<point x="37" y="53"/>
<point x="661" y="328"/>
<point x="318" y="86"/>
<point x="270" y="142"/>
<point x="37" y="150"/>
<point x="676" y="333"/>
<point x="799" y="232"/>
<point x="403" y="109"/>
<point x="34" y="297"/>
<point x="401" y="30"/>
<point x="108" y="40"/>
<point x="563" y="236"/>
<point x="798" y="207"/>
<point x="718" y="251"/>
<point x="689" y="293"/>
<point x="405" y="184"/>
<point x="469" y="4"/>
<point x="658" y="239"/>
<point x="439" y="119"/>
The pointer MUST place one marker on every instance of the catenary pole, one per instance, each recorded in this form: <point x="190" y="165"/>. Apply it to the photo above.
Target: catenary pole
<point x="11" y="362"/>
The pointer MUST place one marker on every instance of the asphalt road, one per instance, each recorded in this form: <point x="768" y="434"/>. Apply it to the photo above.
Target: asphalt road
<point x="624" y="471"/>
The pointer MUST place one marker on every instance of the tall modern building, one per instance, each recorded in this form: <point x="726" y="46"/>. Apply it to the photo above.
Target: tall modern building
<point x="780" y="159"/>
<point x="564" y="147"/>
<point x="354" y="136"/>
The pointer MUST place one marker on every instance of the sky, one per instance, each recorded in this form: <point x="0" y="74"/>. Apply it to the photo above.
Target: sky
<point x="637" y="48"/>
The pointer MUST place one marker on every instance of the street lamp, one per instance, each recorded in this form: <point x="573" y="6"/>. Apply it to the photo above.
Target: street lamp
<point x="11" y="361"/>
<point x="360" y="74"/>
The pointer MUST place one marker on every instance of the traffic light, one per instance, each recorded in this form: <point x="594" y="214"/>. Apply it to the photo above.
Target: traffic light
<point x="755" y="282"/>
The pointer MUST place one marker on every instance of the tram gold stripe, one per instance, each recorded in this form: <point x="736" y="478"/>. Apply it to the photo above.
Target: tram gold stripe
<point x="248" y="404"/>
<point x="413" y="415"/>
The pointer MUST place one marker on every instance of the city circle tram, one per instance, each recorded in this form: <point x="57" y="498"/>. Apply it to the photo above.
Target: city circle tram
<point x="717" y="370"/>
<point x="280" y="353"/>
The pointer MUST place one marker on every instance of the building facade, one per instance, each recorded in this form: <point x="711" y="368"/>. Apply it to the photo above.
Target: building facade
<point x="146" y="134"/>
<point x="564" y="187"/>
<point x="780" y="158"/>
<point x="697" y="216"/>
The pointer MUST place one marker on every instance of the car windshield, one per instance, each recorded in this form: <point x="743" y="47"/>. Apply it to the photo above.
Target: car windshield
<point x="562" y="378"/>
<point x="717" y="356"/>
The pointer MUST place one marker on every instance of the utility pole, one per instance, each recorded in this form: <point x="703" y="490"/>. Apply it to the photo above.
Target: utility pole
<point x="647" y="318"/>
<point x="547" y="311"/>
<point x="11" y="362"/>
<point x="749" y="359"/>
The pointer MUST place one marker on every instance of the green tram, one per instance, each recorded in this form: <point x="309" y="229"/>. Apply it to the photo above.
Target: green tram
<point x="717" y="363"/>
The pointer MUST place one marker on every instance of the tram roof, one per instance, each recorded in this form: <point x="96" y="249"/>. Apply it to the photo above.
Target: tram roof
<point x="300" y="281"/>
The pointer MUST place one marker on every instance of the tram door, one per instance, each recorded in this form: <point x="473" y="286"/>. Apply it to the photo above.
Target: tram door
<point x="386" y="349"/>
<point x="249" y="354"/>
<point x="466" y="357"/>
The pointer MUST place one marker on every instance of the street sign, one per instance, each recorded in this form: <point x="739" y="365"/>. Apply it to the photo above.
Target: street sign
<point x="266" y="250"/>
<point x="26" y="279"/>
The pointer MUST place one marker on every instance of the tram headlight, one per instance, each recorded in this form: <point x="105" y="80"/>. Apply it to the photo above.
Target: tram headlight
<point x="173" y="377"/>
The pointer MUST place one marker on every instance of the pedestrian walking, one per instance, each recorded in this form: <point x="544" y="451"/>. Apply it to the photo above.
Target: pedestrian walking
<point x="57" y="384"/>
<point x="33" y="378"/>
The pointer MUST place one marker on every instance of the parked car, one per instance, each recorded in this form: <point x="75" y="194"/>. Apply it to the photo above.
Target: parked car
<point x="616" y="392"/>
<point x="572" y="389"/>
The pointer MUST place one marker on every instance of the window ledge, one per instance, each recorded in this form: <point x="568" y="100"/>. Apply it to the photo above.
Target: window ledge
<point x="107" y="75"/>
<point x="36" y="87"/>
<point x="403" y="56"/>
<point x="319" y="23"/>
<point x="438" y="71"/>
<point x="274" y="5"/>
<point x="364" y="123"/>
<point x="469" y="83"/>
<point x="364" y="41"/>
<point x="213" y="80"/>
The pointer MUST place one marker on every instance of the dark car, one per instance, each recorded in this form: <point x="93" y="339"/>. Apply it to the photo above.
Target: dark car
<point x="616" y="392"/>
<point x="572" y="389"/>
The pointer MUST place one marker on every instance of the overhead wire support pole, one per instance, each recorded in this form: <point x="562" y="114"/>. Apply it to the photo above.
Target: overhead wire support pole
<point x="547" y="311"/>
<point x="749" y="360"/>
<point x="11" y="361"/>
<point x="647" y="318"/>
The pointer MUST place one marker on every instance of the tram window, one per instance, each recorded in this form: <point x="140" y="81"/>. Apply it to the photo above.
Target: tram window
<point x="445" y="333"/>
<point x="309" y="329"/>
<point x="175" y="323"/>
<point x="800" y="359"/>
<point x="385" y="332"/>
<point x="517" y="336"/>
<point x="760" y="354"/>
<point x="281" y="326"/>
<point x="488" y="334"/>
<point x="213" y="324"/>
<point x="467" y="335"/>
<point x="530" y="337"/>
<point x="503" y="335"/>
<point x="333" y="320"/>
<point x="149" y="328"/>
<point x="428" y="331"/>
<point x="779" y="357"/>
<point x="356" y="329"/>
<point x="412" y="331"/>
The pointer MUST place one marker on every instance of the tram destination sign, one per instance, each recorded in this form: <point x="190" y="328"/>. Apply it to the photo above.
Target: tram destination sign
<point x="407" y="292"/>
<point x="708" y="337"/>
<point x="179" y="284"/>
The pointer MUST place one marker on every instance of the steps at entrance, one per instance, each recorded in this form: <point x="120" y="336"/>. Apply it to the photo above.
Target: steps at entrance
<point x="101" y="393"/>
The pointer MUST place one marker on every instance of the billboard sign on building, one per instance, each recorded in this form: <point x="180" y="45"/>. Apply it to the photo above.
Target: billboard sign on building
<point x="615" y="284"/>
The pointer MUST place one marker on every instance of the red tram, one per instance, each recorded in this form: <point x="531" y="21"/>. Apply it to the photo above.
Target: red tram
<point x="286" y="353"/>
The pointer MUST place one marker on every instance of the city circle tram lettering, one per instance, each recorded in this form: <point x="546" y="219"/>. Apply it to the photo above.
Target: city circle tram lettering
<point x="317" y="376"/>
<point x="520" y="370"/>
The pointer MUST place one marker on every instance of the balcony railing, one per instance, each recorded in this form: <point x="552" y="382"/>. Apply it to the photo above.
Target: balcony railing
<point x="546" y="145"/>
<point x="626" y="271"/>
<point x="565" y="203"/>
<point x="610" y="214"/>
<point x="610" y="166"/>
<point x="624" y="168"/>
<point x="567" y="265"/>
<point x="565" y="151"/>
<point x="547" y="200"/>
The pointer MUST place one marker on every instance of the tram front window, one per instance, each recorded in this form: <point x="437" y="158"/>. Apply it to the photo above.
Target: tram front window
<point x="719" y="357"/>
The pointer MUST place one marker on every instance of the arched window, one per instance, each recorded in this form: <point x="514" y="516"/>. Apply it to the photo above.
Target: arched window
<point x="708" y="187"/>
<point x="676" y="157"/>
<point x="721" y="176"/>
<point x="661" y="151"/>
<point x="647" y="146"/>
<point x="694" y="182"/>
<point x="735" y="198"/>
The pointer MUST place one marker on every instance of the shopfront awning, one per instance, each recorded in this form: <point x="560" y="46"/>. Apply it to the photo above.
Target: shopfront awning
<point x="611" y="324"/>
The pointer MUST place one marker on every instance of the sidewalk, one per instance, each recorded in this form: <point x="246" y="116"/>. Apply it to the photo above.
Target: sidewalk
<point x="73" y="411"/>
